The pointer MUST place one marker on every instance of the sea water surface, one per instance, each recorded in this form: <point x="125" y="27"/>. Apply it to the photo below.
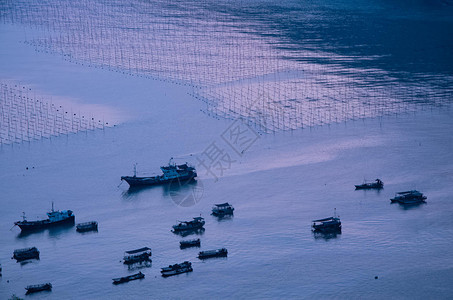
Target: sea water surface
<point x="283" y="181"/>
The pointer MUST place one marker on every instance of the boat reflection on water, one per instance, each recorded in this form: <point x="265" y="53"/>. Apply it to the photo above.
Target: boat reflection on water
<point x="223" y="218"/>
<point x="140" y="265"/>
<point x="52" y="232"/>
<point x="326" y="235"/>
<point x="409" y="206"/>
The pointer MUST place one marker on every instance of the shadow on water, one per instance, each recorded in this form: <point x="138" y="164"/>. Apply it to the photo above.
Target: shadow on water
<point x="223" y="218"/>
<point x="139" y="265"/>
<point x="189" y="232"/>
<point x="94" y="231"/>
<point x="326" y="235"/>
<point x="409" y="206"/>
<point x="28" y="261"/>
<point x="185" y="193"/>
<point x="134" y="191"/>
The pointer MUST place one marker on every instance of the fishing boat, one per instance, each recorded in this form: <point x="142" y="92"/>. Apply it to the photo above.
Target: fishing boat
<point x="137" y="255"/>
<point x="196" y="223"/>
<point x="139" y="275"/>
<point x="189" y="243"/>
<point x="327" y="225"/>
<point x="409" y="197"/>
<point x="38" y="288"/>
<point x="377" y="184"/>
<point x="87" y="226"/>
<point x="222" y="209"/>
<point x="55" y="218"/>
<point x="25" y="253"/>
<point x="171" y="172"/>
<point x="176" y="269"/>
<point x="213" y="253"/>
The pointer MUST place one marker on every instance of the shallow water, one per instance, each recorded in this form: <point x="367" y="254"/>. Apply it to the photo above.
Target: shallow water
<point x="277" y="186"/>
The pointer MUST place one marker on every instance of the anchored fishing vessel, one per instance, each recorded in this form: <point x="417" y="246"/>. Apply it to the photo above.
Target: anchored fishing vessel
<point x="377" y="184"/>
<point x="327" y="225"/>
<point x="138" y="255"/>
<point x="25" y="253"/>
<point x="183" y="172"/>
<point x="87" y="226"/>
<point x="409" y="197"/>
<point x="189" y="243"/>
<point x="222" y="209"/>
<point x="213" y="253"/>
<point x="119" y="280"/>
<point x="38" y="288"/>
<point x="56" y="218"/>
<point x="176" y="269"/>
<point x="196" y="223"/>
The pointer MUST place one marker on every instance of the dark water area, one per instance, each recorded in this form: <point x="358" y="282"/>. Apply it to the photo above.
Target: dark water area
<point x="119" y="55"/>
<point x="397" y="36"/>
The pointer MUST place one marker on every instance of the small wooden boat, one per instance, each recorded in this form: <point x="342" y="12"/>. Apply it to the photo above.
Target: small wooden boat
<point x="87" y="226"/>
<point x="327" y="225"/>
<point x="139" y="275"/>
<point x="377" y="184"/>
<point x="212" y="253"/>
<point x="176" y="269"/>
<point x="189" y="243"/>
<point x="222" y="209"/>
<point x="26" y="253"/>
<point x="409" y="197"/>
<point x="38" y="288"/>
<point x="137" y="255"/>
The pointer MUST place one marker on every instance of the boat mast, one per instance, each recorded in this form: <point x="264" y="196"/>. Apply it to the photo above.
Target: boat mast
<point x="52" y="207"/>
<point x="135" y="170"/>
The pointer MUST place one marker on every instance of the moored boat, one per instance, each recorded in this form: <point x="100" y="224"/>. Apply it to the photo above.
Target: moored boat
<point x="189" y="243"/>
<point x="213" y="253"/>
<point x="38" y="288"/>
<point x="222" y="209"/>
<point x="137" y="255"/>
<point x="176" y="269"/>
<point x="119" y="280"/>
<point x="26" y="253"/>
<point x="55" y="218"/>
<point x="196" y="223"/>
<point x="327" y="225"/>
<point x="377" y="184"/>
<point x="87" y="226"/>
<point x="409" y="197"/>
<point x="184" y="173"/>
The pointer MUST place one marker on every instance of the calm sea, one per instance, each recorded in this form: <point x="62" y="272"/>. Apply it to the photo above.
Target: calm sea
<point x="278" y="185"/>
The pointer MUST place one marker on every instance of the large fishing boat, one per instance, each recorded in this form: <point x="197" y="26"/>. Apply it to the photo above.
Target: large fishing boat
<point x="183" y="173"/>
<point x="56" y="218"/>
